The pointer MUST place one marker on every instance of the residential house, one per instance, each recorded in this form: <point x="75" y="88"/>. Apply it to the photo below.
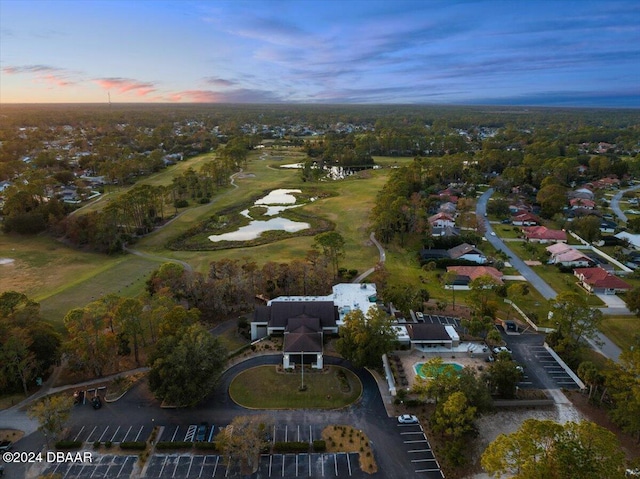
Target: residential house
<point x="565" y="255"/>
<point x="582" y="203"/>
<point x="467" y="252"/>
<point x="608" y="226"/>
<point x="632" y="239"/>
<point x="446" y="231"/>
<point x="448" y="208"/>
<point x="542" y="234"/>
<point x="441" y="220"/>
<point x="466" y="274"/>
<point x="598" y="281"/>
<point x="525" y="219"/>
<point x="584" y="193"/>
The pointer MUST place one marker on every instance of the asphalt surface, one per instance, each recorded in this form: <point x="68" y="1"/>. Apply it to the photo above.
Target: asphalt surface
<point x="615" y="202"/>
<point x="536" y="281"/>
<point x="134" y="416"/>
<point x="603" y="344"/>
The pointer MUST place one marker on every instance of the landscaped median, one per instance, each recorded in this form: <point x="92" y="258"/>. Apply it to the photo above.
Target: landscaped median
<point x="270" y="387"/>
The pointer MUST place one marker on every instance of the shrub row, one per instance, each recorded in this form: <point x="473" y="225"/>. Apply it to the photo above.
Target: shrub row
<point x="319" y="445"/>
<point x="68" y="444"/>
<point x="134" y="445"/>
<point x="291" y="447"/>
<point x="174" y="445"/>
<point x="210" y="446"/>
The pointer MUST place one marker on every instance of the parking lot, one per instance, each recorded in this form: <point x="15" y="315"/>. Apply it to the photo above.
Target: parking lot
<point x="418" y="451"/>
<point x="314" y="465"/>
<point x="553" y="369"/>
<point x="102" y="467"/>
<point x="109" y="433"/>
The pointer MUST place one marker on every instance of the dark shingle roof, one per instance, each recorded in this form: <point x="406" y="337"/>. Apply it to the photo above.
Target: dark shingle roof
<point x="281" y="312"/>
<point x="428" y="332"/>
<point x="302" y="342"/>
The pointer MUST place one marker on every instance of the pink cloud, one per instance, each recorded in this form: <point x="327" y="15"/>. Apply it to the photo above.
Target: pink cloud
<point x="56" y="80"/>
<point x="196" y="96"/>
<point x="126" y="85"/>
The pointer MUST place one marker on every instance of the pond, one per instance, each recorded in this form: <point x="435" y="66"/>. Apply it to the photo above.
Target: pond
<point x="283" y="199"/>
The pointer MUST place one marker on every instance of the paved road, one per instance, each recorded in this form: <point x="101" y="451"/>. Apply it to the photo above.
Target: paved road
<point x="603" y="345"/>
<point x="615" y="202"/>
<point x="536" y="281"/>
<point x="139" y="409"/>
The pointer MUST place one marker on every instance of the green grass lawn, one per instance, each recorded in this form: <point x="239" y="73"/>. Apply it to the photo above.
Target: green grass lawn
<point x="125" y="277"/>
<point x="622" y="330"/>
<point x="264" y="387"/>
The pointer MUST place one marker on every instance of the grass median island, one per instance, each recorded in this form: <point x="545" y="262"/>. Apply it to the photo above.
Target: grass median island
<point x="267" y="387"/>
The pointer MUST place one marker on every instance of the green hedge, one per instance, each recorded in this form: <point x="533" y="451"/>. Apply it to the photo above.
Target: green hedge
<point x="134" y="445"/>
<point x="211" y="446"/>
<point x="291" y="446"/>
<point x="68" y="444"/>
<point x="319" y="445"/>
<point x="174" y="445"/>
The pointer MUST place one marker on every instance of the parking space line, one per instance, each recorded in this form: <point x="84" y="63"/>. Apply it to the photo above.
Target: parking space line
<point x="226" y="473"/>
<point x="322" y="464"/>
<point x="419" y="450"/>
<point x="96" y="468"/>
<point x="139" y="432"/>
<point x="114" y="434"/>
<point x="310" y="438"/>
<point x="173" y="438"/>
<point x="414" y="442"/>
<point x="105" y="431"/>
<point x="297" y="464"/>
<point x="411" y="432"/>
<point x="270" y="463"/>
<point x="175" y="468"/>
<point x="335" y="464"/>
<point x="91" y="433"/>
<point x="124" y="439"/>
<point x="298" y="436"/>
<point x="428" y="470"/>
<point x="309" y="458"/>
<point x="423" y="460"/>
<point x="67" y="472"/>
<point x="190" y="464"/>
<point x="349" y="464"/>
<point x="77" y="435"/>
<point x="283" y="458"/>
<point x="164" y="463"/>
<point x="215" y="467"/>
<point x="204" y="459"/>
<point x="211" y="434"/>
<point x="286" y="433"/>
<point x="122" y="467"/>
<point x="82" y="469"/>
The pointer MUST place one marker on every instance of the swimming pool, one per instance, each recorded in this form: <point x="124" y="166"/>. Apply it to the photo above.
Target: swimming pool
<point x="418" y="368"/>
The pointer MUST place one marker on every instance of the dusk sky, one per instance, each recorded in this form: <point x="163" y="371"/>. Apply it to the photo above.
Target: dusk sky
<point x="518" y="52"/>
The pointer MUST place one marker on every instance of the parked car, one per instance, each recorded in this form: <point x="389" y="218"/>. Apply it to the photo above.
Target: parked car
<point x="501" y="349"/>
<point x="201" y="432"/>
<point x="5" y="445"/>
<point x="96" y="402"/>
<point x="419" y="316"/>
<point x="407" y="419"/>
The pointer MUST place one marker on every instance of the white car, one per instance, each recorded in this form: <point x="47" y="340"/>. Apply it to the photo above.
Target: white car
<point x="492" y="233"/>
<point x="407" y="419"/>
<point x="501" y="349"/>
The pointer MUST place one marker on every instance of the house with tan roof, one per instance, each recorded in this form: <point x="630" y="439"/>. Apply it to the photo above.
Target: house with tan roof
<point x="467" y="252"/>
<point x="562" y="254"/>
<point x="466" y="274"/>
<point x="441" y="220"/>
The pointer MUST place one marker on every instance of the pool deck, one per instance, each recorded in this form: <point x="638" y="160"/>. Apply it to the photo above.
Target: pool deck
<point x="410" y="358"/>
